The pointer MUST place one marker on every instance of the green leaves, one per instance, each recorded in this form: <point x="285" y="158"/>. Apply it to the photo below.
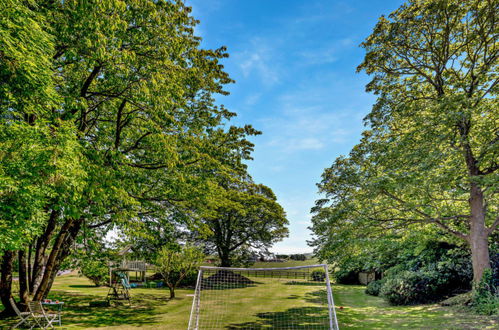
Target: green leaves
<point x="432" y="131"/>
<point x="242" y="217"/>
<point x="39" y="164"/>
<point x="107" y="113"/>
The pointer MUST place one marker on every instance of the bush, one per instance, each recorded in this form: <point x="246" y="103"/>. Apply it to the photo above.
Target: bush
<point x="188" y="281"/>
<point x="298" y="257"/>
<point x="411" y="287"/>
<point x="346" y="277"/>
<point x="318" y="275"/>
<point x="95" y="270"/>
<point x="486" y="295"/>
<point x="374" y="287"/>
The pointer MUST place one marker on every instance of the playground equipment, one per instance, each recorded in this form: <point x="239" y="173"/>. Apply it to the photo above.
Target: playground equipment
<point x="119" y="278"/>
<point x="127" y="267"/>
<point x="120" y="288"/>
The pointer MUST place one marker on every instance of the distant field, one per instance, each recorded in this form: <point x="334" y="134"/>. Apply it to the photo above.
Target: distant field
<point x="253" y="306"/>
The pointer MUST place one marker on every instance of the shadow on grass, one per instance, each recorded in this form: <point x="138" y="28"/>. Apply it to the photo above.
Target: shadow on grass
<point x="311" y="283"/>
<point x="293" y="318"/>
<point x="317" y="297"/>
<point x="228" y="286"/>
<point x="139" y="313"/>
<point x="84" y="286"/>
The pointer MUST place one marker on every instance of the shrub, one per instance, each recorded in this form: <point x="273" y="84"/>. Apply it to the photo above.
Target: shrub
<point x="411" y="287"/>
<point x="188" y="281"/>
<point x="298" y="257"/>
<point x="346" y="277"/>
<point x="374" y="287"/>
<point x="486" y="295"/>
<point x="318" y="275"/>
<point x="95" y="270"/>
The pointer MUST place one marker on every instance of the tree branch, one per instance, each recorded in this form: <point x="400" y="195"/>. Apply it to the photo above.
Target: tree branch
<point x="493" y="227"/>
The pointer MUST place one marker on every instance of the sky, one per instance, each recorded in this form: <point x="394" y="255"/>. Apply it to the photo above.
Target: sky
<point x="294" y="63"/>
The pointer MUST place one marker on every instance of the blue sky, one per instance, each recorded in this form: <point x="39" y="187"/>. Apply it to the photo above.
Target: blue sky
<point x="294" y="64"/>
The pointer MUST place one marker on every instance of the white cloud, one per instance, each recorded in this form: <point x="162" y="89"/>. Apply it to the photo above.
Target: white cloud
<point x="307" y="128"/>
<point x="258" y="60"/>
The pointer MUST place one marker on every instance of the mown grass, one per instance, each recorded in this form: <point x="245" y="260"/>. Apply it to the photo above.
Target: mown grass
<point x="257" y="306"/>
<point x="361" y="311"/>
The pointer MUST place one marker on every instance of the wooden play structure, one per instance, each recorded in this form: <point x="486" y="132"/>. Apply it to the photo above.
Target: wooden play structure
<point x="120" y="288"/>
<point x="137" y="268"/>
<point x="119" y="278"/>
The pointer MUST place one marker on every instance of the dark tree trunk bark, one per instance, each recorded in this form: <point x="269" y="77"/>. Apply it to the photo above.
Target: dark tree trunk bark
<point x="23" y="279"/>
<point x="30" y="250"/>
<point x="478" y="238"/>
<point x="6" y="284"/>
<point x="39" y="259"/>
<point x="60" y="250"/>
<point x="172" y="291"/>
<point x="224" y="258"/>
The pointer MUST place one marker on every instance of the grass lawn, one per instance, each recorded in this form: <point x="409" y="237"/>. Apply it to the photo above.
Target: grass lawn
<point x="151" y="308"/>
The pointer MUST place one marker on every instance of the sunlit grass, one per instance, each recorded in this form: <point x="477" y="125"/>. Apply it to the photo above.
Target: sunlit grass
<point x="151" y="308"/>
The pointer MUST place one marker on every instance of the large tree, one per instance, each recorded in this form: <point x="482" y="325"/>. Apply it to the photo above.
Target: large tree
<point x="430" y="157"/>
<point x="110" y="105"/>
<point x="246" y="217"/>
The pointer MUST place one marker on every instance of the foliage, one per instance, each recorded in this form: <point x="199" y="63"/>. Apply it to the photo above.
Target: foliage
<point x="445" y="268"/>
<point x="108" y="120"/>
<point x="486" y="295"/>
<point x="374" y="287"/>
<point x="299" y="257"/>
<point x="175" y="264"/>
<point x="346" y="277"/>
<point x="245" y="218"/>
<point x="318" y="275"/>
<point x="96" y="270"/>
<point x="411" y="287"/>
<point x="428" y="161"/>
<point x="427" y="284"/>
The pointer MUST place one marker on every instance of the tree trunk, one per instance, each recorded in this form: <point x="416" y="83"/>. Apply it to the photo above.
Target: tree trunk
<point x="23" y="277"/>
<point x="6" y="284"/>
<point x="224" y="258"/>
<point x="172" y="291"/>
<point x="60" y="250"/>
<point x="478" y="238"/>
<point x="40" y="248"/>
<point x="30" y="250"/>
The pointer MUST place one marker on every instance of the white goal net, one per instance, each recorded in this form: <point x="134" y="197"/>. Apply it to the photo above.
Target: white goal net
<point x="260" y="298"/>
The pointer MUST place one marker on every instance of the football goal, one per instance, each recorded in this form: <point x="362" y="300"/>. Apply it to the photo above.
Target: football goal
<point x="258" y="298"/>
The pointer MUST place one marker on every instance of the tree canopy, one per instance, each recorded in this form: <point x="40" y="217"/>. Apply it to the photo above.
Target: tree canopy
<point x="108" y="120"/>
<point x="245" y="218"/>
<point x="429" y="158"/>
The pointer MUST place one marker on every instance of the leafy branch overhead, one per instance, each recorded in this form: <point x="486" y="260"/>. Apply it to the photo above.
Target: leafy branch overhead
<point x="108" y="120"/>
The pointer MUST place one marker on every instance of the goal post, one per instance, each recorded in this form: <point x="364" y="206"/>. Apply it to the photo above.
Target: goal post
<point x="258" y="298"/>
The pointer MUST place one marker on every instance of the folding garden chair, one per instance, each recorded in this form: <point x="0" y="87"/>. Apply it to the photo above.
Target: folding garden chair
<point x="43" y="319"/>
<point x="24" y="317"/>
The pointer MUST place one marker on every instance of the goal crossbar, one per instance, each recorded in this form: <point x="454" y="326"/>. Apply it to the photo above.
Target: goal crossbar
<point x="209" y="299"/>
<point x="263" y="269"/>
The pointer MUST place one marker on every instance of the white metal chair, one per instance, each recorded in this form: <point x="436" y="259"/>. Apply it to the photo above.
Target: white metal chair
<point x="24" y="317"/>
<point x="43" y="319"/>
